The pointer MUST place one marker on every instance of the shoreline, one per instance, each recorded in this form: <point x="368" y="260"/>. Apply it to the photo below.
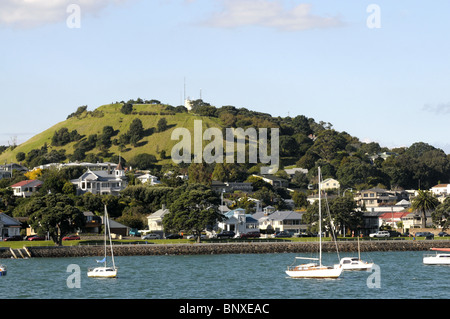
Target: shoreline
<point x="222" y="248"/>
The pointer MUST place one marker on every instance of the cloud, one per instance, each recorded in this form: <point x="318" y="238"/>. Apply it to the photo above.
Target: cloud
<point x="443" y="108"/>
<point x="22" y="14"/>
<point x="266" y="13"/>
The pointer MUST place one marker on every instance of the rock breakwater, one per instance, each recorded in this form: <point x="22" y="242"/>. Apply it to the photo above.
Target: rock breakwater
<point x="230" y="248"/>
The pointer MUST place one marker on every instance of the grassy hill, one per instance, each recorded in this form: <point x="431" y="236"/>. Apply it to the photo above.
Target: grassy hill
<point x="92" y="122"/>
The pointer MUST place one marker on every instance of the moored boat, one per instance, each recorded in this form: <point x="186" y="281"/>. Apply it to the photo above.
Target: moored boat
<point x="315" y="270"/>
<point x="438" y="258"/>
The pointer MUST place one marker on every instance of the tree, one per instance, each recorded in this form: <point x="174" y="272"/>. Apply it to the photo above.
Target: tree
<point x="56" y="215"/>
<point x="161" y="126"/>
<point x="441" y="216"/>
<point x="194" y="210"/>
<point x="142" y="161"/>
<point x="424" y="202"/>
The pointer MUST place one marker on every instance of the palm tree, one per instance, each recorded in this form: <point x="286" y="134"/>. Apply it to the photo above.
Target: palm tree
<point x="424" y="202"/>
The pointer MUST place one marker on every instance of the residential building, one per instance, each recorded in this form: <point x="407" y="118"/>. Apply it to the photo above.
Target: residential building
<point x="154" y="220"/>
<point x="441" y="191"/>
<point x="291" y="171"/>
<point x="375" y="197"/>
<point x="110" y="181"/>
<point x="274" y="221"/>
<point x="93" y="223"/>
<point x="149" y="179"/>
<point x="273" y="180"/>
<point x="9" y="226"/>
<point x="5" y="174"/>
<point x="26" y="188"/>
<point x="13" y="166"/>
<point x="229" y="187"/>
<point x="330" y="183"/>
<point x="238" y="221"/>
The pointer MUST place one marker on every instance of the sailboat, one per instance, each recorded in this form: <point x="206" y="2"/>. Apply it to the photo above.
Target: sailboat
<point x="105" y="271"/>
<point x="355" y="263"/>
<point x="313" y="269"/>
<point x="438" y="258"/>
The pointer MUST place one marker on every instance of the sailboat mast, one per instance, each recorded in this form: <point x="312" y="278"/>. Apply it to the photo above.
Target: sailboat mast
<point x="104" y="230"/>
<point x="110" y="241"/>
<point x="320" y="220"/>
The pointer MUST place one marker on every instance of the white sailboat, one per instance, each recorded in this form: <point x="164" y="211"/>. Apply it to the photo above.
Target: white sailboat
<point x="355" y="263"/>
<point x="105" y="271"/>
<point x="313" y="269"/>
<point x="438" y="258"/>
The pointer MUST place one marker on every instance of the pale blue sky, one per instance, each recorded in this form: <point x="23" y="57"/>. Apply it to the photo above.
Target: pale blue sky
<point x="388" y="84"/>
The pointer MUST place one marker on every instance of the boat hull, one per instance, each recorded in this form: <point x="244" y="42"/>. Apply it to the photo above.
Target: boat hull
<point x="355" y="264"/>
<point x="439" y="259"/>
<point x="314" y="272"/>
<point x="102" y="272"/>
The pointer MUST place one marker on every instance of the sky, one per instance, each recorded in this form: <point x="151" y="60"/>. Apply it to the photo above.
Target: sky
<point x="378" y="70"/>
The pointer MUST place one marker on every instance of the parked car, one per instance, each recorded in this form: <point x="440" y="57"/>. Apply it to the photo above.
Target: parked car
<point x="226" y="234"/>
<point x="36" y="237"/>
<point x="424" y="234"/>
<point x="252" y="234"/>
<point x="134" y="232"/>
<point x="443" y="234"/>
<point x="282" y="234"/>
<point x="73" y="237"/>
<point x="174" y="236"/>
<point x="202" y="236"/>
<point x="380" y="234"/>
<point x="13" y="238"/>
<point x="393" y="233"/>
<point x="151" y="236"/>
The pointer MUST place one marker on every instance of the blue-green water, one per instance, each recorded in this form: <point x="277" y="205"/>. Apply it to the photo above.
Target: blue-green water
<point x="402" y="275"/>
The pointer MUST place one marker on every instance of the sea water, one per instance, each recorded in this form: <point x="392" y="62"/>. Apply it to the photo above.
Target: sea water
<point x="396" y="275"/>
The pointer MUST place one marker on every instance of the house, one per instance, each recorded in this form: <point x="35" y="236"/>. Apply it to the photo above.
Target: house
<point x="273" y="180"/>
<point x="9" y="226"/>
<point x="392" y="219"/>
<point x="229" y="187"/>
<point x="375" y="197"/>
<point x="102" y="182"/>
<point x="441" y="190"/>
<point x="274" y="221"/>
<point x="149" y="179"/>
<point x="330" y="183"/>
<point x="414" y="220"/>
<point x="291" y="171"/>
<point x="238" y="221"/>
<point x="26" y="188"/>
<point x="93" y="223"/>
<point x="13" y="166"/>
<point x="5" y="174"/>
<point x="154" y="220"/>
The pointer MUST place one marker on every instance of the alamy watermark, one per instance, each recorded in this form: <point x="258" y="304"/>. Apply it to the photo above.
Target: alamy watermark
<point x="215" y="152"/>
<point x="73" y="21"/>
<point x="374" y="19"/>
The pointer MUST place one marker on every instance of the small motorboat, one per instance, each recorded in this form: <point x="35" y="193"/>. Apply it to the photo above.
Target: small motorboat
<point x="354" y="263"/>
<point x="438" y="258"/>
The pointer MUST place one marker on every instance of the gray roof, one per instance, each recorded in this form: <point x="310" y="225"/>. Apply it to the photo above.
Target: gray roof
<point x="279" y="215"/>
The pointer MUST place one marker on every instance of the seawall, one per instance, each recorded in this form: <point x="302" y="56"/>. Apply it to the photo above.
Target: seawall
<point x="230" y="248"/>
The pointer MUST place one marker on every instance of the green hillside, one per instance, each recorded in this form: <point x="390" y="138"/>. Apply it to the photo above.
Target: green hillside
<point x="92" y="122"/>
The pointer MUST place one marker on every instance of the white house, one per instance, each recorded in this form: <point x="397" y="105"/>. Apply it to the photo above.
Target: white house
<point x="239" y="222"/>
<point x="149" y="179"/>
<point x="9" y="226"/>
<point x="290" y="221"/>
<point x="155" y="220"/>
<point x="26" y="188"/>
<point x="102" y="182"/>
<point x="330" y="183"/>
<point x="441" y="189"/>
